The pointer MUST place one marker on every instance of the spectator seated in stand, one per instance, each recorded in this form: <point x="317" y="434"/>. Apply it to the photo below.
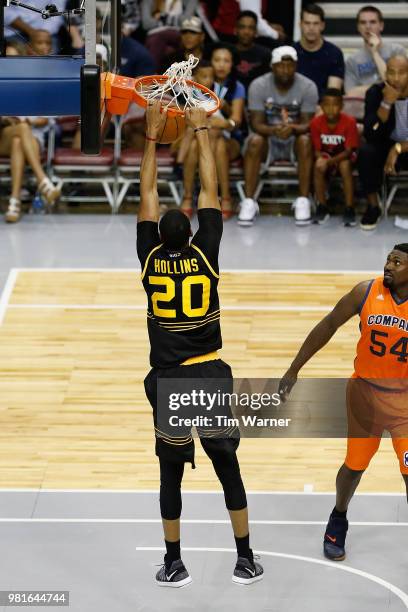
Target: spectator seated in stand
<point x="281" y="105"/>
<point x="135" y="58"/>
<point x="75" y="41"/>
<point x="131" y="17"/>
<point x="20" y="139"/>
<point x="161" y="19"/>
<point x="386" y="135"/>
<point x="191" y="43"/>
<point x="335" y="142"/>
<point x="318" y="59"/>
<point x="135" y="61"/>
<point x="368" y="65"/>
<point x="225" y="135"/>
<point x="21" y="23"/>
<point x="40" y="43"/>
<point x="203" y="74"/>
<point x="14" y="47"/>
<point x="253" y="59"/>
<point x="224" y="20"/>
<point x="23" y="140"/>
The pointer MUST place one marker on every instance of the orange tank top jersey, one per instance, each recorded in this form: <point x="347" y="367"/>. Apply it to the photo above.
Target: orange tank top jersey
<point x="382" y="351"/>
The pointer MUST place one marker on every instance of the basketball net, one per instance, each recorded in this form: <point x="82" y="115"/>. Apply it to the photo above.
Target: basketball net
<point x="177" y="90"/>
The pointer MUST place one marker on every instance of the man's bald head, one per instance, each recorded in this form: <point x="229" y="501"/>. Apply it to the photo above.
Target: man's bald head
<point x="397" y="74"/>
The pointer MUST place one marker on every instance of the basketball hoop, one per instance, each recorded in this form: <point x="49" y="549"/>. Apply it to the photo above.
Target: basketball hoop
<point x="175" y="90"/>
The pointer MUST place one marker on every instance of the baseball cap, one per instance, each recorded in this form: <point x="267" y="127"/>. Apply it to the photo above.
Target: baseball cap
<point x="193" y="24"/>
<point x="285" y="51"/>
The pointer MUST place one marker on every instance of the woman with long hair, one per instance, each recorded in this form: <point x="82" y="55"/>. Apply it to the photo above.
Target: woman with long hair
<point x="225" y="135"/>
<point x="21" y="139"/>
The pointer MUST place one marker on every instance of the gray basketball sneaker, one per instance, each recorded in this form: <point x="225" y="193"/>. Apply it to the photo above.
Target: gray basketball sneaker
<point x="247" y="571"/>
<point x="175" y="576"/>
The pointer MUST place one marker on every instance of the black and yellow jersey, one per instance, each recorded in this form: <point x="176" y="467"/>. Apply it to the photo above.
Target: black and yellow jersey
<point x="183" y="313"/>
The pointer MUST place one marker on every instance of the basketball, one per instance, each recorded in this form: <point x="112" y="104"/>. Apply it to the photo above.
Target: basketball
<point x="173" y="129"/>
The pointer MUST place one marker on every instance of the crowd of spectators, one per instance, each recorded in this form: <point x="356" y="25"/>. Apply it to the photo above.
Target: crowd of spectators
<point x="281" y="100"/>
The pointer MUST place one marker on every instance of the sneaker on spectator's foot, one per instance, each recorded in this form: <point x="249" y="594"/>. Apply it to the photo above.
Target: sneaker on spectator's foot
<point x="174" y="576"/>
<point x="248" y="209"/>
<point x="302" y="211"/>
<point x="349" y="217"/>
<point x="247" y="571"/>
<point x="50" y="191"/>
<point x="321" y="215"/>
<point x="13" y="213"/>
<point x="370" y="218"/>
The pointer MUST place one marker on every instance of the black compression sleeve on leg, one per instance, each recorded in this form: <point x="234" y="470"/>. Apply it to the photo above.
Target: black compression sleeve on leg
<point x="171" y="475"/>
<point x="226" y="467"/>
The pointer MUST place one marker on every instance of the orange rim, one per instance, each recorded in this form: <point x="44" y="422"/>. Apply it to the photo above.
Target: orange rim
<point x="161" y="78"/>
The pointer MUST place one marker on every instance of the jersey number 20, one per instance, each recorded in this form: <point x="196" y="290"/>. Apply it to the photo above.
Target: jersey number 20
<point x="169" y="294"/>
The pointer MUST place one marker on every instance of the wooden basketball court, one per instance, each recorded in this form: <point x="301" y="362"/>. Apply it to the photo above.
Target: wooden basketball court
<point x="74" y="352"/>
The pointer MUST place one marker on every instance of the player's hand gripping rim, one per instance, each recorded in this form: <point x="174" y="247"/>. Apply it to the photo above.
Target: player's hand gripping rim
<point x="196" y="118"/>
<point x="156" y="117"/>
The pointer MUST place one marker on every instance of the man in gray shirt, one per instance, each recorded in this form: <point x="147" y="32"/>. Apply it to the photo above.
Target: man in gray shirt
<point x="368" y="65"/>
<point x="281" y="104"/>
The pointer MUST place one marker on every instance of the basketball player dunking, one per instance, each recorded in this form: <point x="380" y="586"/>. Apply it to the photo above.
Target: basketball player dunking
<point x="377" y="394"/>
<point x="183" y="318"/>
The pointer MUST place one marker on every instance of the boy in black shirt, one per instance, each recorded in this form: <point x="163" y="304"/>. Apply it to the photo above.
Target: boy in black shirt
<point x="253" y="59"/>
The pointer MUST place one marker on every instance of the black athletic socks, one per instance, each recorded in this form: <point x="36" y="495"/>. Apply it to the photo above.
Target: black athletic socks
<point x="337" y="514"/>
<point x="243" y="549"/>
<point x="172" y="552"/>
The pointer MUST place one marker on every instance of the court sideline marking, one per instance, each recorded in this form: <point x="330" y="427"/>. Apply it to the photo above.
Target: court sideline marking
<point x="195" y="492"/>
<point x="240" y="307"/>
<point x="7" y="291"/>
<point x="191" y="521"/>
<point x="344" y="568"/>
<point x="13" y="274"/>
<point x="226" y="270"/>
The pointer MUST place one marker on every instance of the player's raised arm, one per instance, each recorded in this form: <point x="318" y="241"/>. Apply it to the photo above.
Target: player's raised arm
<point x="347" y="307"/>
<point x="149" y="197"/>
<point x="197" y="119"/>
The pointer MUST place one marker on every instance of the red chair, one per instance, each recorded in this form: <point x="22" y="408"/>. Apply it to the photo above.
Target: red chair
<point x="70" y="166"/>
<point x="128" y="168"/>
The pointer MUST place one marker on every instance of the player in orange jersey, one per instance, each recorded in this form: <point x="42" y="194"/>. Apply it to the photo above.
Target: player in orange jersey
<point x="377" y="394"/>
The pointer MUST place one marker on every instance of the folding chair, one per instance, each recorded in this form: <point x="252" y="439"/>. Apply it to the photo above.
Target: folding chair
<point x="273" y="173"/>
<point x="5" y="171"/>
<point x="391" y="185"/>
<point x="128" y="168"/>
<point x="5" y="168"/>
<point x="70" y="166"/>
